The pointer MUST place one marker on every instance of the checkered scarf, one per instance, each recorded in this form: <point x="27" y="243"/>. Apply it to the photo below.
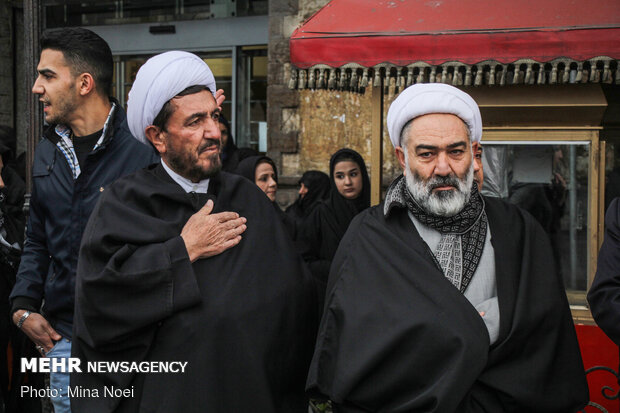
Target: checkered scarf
<point x="65" y="143"/>
<point x="462" y="235"/>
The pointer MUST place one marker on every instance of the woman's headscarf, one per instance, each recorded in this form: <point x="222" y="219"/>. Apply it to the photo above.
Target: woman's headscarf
<point x="318" y="185"/>
<point x="247" y="167"/>
<point x="342" y="208"/>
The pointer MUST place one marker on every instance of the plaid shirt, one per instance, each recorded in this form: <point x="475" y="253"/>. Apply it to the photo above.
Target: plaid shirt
<point x="65" y="144"/>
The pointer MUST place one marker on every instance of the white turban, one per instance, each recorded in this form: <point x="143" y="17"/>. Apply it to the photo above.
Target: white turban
<point x="425" y="98"/>
<point x="160" y="79"/>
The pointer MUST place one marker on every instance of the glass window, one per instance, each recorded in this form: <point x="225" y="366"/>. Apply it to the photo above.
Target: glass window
<point x="612" y="171"/>
<point x="550" y="181"/>
<point x="61" y="13"/>
<point x="131" y="65"/>
<point x="221" y="66"/>
<point x="252" y="98"/>
<point x="252" y="7"/>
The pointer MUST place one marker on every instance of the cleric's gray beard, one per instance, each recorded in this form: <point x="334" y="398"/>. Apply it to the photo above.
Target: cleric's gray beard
<point x="440" y="203"/>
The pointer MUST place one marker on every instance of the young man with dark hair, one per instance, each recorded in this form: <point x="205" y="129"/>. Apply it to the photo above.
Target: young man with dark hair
<point x="86" y="147"/>
<point x="84" y="52"/>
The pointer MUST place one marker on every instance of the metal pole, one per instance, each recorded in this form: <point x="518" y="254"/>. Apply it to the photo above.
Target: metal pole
<point x="376" y="146"/>
<point x="572" y="201"/>
<point x="233" y="98"/>
<point x="32" y="31"/>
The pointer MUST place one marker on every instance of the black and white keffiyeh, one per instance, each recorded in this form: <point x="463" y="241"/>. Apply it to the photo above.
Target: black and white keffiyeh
<point x="462" y="235"/>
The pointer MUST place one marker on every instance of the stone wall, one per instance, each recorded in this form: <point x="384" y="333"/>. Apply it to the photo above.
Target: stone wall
<point x="283" y="121"/>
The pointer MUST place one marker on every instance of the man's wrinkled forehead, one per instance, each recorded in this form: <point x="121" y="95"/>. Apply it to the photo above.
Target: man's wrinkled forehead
<point x="431" y="128"/>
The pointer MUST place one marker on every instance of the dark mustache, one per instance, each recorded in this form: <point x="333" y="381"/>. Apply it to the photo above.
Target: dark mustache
<point x="438" y="181"/>
<point x="210" y="143"/>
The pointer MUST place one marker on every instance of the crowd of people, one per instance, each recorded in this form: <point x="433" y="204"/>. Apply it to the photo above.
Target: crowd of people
<point x="152" y="237"/>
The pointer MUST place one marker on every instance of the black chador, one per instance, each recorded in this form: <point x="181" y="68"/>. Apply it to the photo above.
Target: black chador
<point x="244" y="320"/>
<point x="325" y="227"/>
<point x="397" y="336"/>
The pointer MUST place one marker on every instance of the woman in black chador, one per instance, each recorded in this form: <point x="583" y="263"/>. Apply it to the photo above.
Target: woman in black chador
<point x="325" y="227"/>
<point x="229" y="151"/>
<point x="263" y="172"/>
<point x="314" y="188"/>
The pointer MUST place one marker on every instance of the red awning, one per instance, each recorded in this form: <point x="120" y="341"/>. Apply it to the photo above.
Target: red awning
<point x="402" y="32"/>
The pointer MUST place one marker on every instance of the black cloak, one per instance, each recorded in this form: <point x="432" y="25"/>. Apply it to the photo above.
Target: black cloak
<point x="604" y="295"/>
<point x="325" y="227"/>
<point x="244" y="320"/>
<point x="396" y="336"/>
<point x="318" y="185"/>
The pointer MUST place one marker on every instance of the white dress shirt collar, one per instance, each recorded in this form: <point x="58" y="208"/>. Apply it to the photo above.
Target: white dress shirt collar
<point x="187" y="185"/>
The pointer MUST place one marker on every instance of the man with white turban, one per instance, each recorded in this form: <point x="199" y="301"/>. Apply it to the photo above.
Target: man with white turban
<point x="188" y="267"/>
<point x="440" y="300"/>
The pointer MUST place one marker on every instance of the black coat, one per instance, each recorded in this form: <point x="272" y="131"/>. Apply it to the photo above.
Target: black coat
<point x="244" y="320"/>
<point x="396" y="336"/>
<point x="59" y="209"/>
<point x="604" y="295"/>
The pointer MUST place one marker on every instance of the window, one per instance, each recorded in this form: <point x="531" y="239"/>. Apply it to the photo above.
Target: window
<point x="62" y="13"/>
<point x="550" y="181"/>
<point x="612" y="171"/>
<point x="555" y="174"/>
<point x="252" y="98"/>
<point x="221" y="66"/>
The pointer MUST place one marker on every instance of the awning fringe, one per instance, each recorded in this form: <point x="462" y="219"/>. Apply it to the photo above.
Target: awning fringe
<point x="355" y="77"/>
